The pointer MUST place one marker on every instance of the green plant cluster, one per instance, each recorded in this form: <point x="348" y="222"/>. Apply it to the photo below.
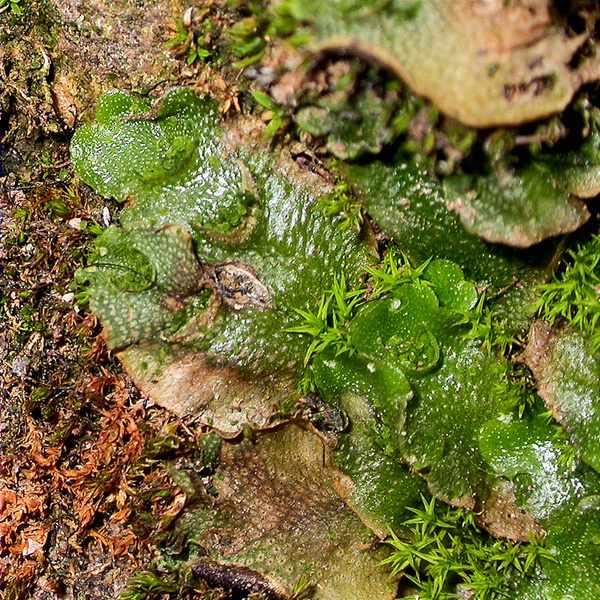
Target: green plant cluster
<point x="574" y="294"/>
<point x="278" y="115"/>
<point x="516" y="185"/>
<point x="343" y="205"/>
<point x="145" y="584"/>
<point x="256" y="23"/>
<point x="188" y="43"/>
<point x="438" y="279"/>
<point x="492" y="329"/>
<point x="326" y="325"/>
<point x="414" y="317"/>
<point x="225" y="256"/>
<point x="172" y="163"/>
<point x="441" y="550"/>
<point x="234" y="36"/>
<point x="245" y="39"/>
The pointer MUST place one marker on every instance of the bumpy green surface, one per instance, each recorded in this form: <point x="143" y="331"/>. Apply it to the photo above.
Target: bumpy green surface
<point x="275" y="511"/>
<point x="412" y="208"/>
<point x="580" y="169"/>
<point x="528" y="453"/>
<point x="518" y="209"/>
<point x="560" y="493"/>
<point x="407" y="327"/>
<point x="448" y="282"/>
<point x="452" y="404"/>
<point x="173" y="168"/>
<point x="144" y="284"/>
<point x="449" y="377"/>
<point x="166" y="160"/>
<point x="576" y="393"/>
<point x="575" y="571"/>
<point x="374" y="396"/>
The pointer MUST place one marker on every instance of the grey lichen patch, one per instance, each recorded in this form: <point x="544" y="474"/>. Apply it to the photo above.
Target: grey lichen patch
<point x="499" y="63"/>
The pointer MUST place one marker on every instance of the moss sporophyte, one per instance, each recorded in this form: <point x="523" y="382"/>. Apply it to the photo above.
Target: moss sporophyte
<point x="238" y="284"/>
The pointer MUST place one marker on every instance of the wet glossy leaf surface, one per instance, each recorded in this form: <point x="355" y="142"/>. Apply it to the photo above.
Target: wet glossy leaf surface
<point x="245" y="221"/>
<point x="411" y="207"/>
<point x="575" y="570"/>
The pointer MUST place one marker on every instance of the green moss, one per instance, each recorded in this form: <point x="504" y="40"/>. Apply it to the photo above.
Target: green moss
<point x="442" y="551"/>
<point x="341" y="204"/>
<point x="211" y="451"/>
<point x="225" y="257"/>
<point x="144" y="585"/>
<point x="155" y="158"/>
<point x="573" y="295"/>
<point x="448" y="283"/>
<point x="353" y="125"/>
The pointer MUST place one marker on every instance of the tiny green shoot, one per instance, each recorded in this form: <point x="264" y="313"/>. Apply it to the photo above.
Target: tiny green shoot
<point x="275" y="114"/>
<point x="14" y="6"/>
<point x="342" y="205"/>
<point x="326" y="325"/>
<point x="186" y="43"/>
<point x="487" y="327"/>
<point x="302" y="589"/>
<point x="395" y="270"/>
